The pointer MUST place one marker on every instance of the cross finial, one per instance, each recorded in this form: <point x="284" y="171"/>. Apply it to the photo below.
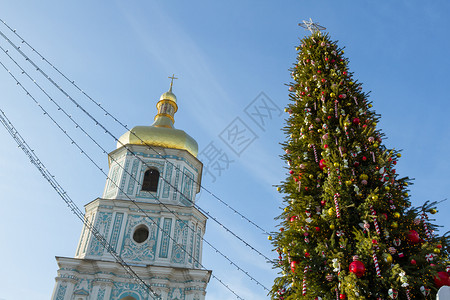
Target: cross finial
<point x="311" y="26"/>
<point x="171" y="82"/>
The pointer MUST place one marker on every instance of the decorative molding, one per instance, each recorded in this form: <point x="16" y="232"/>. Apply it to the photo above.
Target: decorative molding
<point x="116" y="230"/>
<point x="139" y="252"/>
<point x="168" y="180"/>
<point x="187" y="187"/>
<point x="133" y="177"/>
<point x="167" y="227"/>
<point x="61" y="292"/>
<point x="180" y="237"/>
<point x="102" y="224"/>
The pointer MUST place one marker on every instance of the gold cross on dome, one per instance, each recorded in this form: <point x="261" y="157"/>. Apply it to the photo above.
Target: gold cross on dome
<point x="311" y="26"/>
<point x="171" y="82"/>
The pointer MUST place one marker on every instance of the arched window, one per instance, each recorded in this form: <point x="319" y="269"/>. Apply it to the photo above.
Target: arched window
<point x="151" y="178"/>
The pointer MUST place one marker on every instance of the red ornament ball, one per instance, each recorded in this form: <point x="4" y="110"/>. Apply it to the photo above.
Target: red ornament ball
<point x="364" y="158"/>
<point x="413" y="262"/>
<point x="441" y="279"/>
<point x="322" y="164"/>
<point x="413" y="237"/>
<point x="358" y="268"/>
<point x="356" y="121"/>
<point x="342" y="296"/>
<point x="293" y="265"/>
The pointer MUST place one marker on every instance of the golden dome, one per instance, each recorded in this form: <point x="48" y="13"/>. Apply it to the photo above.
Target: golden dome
<point x="169" y="96"/>
<point x="161" y="133"/>
<point x="160" y="137"/>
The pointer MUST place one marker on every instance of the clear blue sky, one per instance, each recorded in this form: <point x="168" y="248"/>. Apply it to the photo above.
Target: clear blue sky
<point x="225" y="54"/>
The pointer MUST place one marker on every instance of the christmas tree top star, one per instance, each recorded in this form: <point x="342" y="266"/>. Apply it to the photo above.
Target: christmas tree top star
<point x="311" y="26"/>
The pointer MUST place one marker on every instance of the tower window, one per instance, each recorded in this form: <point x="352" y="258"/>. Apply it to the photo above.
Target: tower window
<point x="141" y="233"/>
<point x="151" y="178"/>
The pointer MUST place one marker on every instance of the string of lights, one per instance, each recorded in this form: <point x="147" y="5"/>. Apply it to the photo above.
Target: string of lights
<point x="106" y="175"/>
<point x="107" y="113"/>
<point x="29" y="152"/>
<point x="80" y="127"/>
<point x="98" y="123"/>
<point x="108" y="178"/>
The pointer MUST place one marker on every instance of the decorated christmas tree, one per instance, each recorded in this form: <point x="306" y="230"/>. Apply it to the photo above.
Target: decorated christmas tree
<point x="348" y="229"/>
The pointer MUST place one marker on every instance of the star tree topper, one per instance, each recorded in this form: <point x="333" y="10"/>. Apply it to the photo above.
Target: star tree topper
<point x="311" y="26"/>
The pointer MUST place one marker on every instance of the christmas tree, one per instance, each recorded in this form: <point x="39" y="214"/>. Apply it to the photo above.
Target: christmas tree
<point x="348" y="229"/>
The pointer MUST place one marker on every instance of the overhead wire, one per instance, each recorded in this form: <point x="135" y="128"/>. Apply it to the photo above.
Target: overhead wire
<point x="73" y="142"/>
<point x="107" y="113"/>
<point x="98" y="167"/>
<point x="80" y="127"/>
<point x="29" y="152"/>
<point x="97" y="123"/>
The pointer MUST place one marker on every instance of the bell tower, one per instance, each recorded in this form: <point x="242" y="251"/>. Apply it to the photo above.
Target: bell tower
<point x="148" y="217"/>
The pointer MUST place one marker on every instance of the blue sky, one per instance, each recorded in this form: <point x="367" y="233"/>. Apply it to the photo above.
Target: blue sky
<point x="225" y="54"/>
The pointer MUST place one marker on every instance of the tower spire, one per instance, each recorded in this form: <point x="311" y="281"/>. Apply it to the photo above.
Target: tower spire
<point x="171" y="82"/>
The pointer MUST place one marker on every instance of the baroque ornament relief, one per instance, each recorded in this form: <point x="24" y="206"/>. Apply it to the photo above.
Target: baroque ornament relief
<point x="140" y="251"/>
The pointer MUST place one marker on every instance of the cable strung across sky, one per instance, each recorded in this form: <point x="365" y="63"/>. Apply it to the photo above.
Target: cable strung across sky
<point x="29" y="152"/>
<point x="107" y="113"/>
<point x="104" y="151"/>
<point x="80" y="127"/>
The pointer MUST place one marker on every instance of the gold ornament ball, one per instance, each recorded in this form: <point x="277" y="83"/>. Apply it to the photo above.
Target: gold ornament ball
<point x="387" y="188"/>
<point x="396" y="215"/>
<point x="437" y="251"/>
<point x="332" y="95"/>
<point x="370" y="105"/>
<point x="399" y="155"/>
<point x="363" y="177"/>
<point x="285" y="250"/>
<point x="348" y="182"/>
<point x="394" y="225"/>
<point x="311" y="176"/>
<point x="433" y="211"/>
<point x="405" y="194"/>
<point x="388" y="258"/>
<point x="286" y="209"/>
<point x="332" y="227"/>
<point x="375" y="197"/>
<point x="278" y="189"/>
<point x="269" y="237"/>
<point x="336" y="165"/>
<point x="331" y="211"/>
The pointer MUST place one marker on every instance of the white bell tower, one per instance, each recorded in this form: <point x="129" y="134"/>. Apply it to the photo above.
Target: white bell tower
<point x="147" y="215"/>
